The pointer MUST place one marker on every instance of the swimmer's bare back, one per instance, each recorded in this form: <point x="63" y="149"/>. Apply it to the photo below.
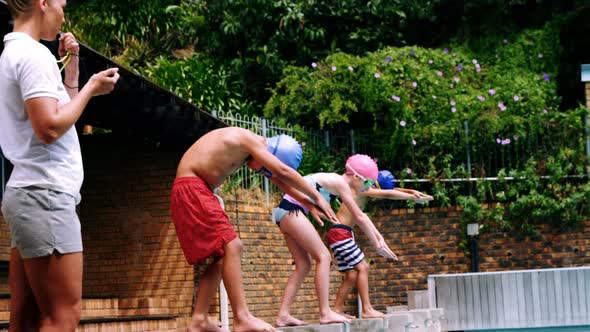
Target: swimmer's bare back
<point x="217" y="154"/>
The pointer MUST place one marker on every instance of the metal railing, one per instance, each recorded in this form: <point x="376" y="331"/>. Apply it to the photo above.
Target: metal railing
<point x="246" y="179"/>
<point x="480" y="159"/>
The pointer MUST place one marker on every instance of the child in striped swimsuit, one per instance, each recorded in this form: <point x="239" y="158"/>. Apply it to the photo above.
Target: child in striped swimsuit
<point x="350" y="258"/>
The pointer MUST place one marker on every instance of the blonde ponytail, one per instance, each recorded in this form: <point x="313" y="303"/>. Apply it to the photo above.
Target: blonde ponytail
<point x="18" y="7"/>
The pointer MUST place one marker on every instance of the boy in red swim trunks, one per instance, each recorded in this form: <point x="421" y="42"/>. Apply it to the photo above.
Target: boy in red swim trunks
<point x="202" y="226"/>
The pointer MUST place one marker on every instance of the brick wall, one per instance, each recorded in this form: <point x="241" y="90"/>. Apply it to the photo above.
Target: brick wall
<point x="4" y="254"/>
<point x="4" y="240"/>
<point x="130" y="245"/>
<point x="131" y="248"/>
<point x="426" y="241"/>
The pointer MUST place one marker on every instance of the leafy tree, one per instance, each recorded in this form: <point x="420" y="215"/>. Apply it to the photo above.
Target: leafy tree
<point x="200" y="80"/>
<point x="256" y="39"/>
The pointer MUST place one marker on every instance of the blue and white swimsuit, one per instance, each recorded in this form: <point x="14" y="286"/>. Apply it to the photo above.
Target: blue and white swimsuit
<point x="290" y="205"/>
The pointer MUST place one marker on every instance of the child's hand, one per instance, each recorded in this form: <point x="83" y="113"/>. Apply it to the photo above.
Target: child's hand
<point x="327" y="211"/>
<point x="386" y="252"/>
<point x="423" y="199"/>
<point x="317" y="214"/>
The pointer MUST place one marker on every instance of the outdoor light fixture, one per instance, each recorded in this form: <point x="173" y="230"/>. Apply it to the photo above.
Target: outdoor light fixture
<point x="472" y="232"/>
<point x="472" y="229"/>
<point x="585" y="73"/>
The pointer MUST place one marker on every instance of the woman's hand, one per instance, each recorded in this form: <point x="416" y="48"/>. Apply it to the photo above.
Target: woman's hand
<point x="103" y="82"/>
<point x="69" y="60"/>
<point x="68" y="43"/>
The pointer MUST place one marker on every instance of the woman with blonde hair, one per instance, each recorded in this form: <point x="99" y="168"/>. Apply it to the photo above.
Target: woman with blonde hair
<point x="37" y="135"/>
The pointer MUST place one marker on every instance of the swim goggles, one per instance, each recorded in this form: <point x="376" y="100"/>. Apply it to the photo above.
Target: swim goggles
<point x="264" y="171"/>
<point x="368" y="183"/>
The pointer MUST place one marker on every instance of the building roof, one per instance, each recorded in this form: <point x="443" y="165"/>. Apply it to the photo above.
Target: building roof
<point x="137" y="106"/>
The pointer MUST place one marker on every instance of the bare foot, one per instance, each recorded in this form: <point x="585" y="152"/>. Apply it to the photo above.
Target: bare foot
<point x="252" y="324"/>
<point x="344" y="314"/>
<point x="333" y="317"/>
<point x="372" y="313"/>
<point x="289" y="321"/>
<point x="204" y="324"/>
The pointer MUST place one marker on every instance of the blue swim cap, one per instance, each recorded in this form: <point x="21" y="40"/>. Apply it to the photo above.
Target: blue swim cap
<point x="287" y="149"/>
<point x="386" y="180"/>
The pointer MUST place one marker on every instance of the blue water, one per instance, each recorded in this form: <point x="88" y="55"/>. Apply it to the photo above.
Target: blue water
<point x="585" y="328"/>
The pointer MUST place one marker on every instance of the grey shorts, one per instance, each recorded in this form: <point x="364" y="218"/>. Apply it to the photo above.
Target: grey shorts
<point x="41" y="221"/>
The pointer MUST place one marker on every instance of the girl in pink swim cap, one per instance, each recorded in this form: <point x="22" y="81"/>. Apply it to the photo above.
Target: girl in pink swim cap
<point x="305" y="244"/>
<point x="358" y="274"/>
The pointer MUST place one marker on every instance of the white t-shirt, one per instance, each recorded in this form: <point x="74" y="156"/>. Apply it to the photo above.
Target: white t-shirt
<point x="29" y="70"/>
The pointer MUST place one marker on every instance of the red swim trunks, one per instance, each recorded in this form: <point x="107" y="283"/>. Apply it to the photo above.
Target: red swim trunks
<point x="202" y="226"/>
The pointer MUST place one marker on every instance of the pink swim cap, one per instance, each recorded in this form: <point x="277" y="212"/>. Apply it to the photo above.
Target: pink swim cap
<point x="363" y="165"/>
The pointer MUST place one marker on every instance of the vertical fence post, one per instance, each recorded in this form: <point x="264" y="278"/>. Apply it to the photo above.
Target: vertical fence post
<point x="466" y="128"/>
<point x="223" y="297"/>
<point x="359" y="301"/>
<point x="327" y="138"/>
<point x="214" y="113"/>
<point x="266" y="184"/>
<point x="352" y="147"/>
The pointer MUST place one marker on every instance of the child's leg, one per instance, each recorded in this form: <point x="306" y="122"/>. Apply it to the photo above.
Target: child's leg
<point x="301" y="231"/>
<point x="302" y="267"/>
<point x="348" y="281"/>
<point x="362" y="284"/>
<point x="232" y="279"/>
<point x="208" y="284"/>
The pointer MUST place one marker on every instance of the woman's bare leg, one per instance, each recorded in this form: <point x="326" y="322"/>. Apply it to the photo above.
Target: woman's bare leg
<point x="24" y="313"/>
<point x="56" y="282"/>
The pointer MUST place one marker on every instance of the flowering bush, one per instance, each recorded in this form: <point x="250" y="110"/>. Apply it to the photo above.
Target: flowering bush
<point x="427" y="108"/>
<point x="420" y="102"/>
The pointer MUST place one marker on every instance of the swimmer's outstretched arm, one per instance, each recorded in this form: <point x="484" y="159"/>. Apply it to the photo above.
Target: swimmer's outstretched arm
<point x="397" y="194"/>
